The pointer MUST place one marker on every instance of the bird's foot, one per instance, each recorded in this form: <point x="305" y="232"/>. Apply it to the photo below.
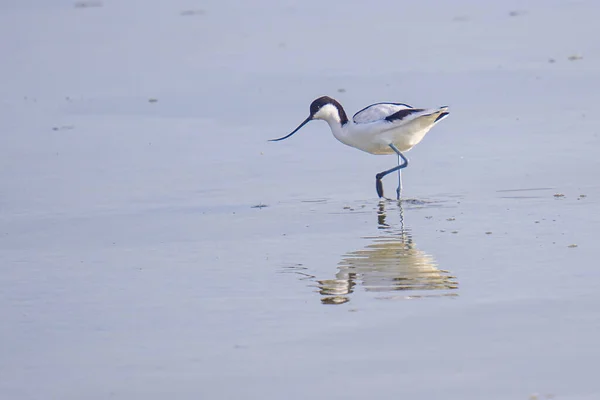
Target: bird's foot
<point x="379" y="186"/>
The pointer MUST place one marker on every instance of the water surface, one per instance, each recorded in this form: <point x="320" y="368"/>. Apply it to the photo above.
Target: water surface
<point x="155" y="244"/>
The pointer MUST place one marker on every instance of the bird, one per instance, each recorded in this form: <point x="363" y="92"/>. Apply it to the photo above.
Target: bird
<point x="380" y="129"/>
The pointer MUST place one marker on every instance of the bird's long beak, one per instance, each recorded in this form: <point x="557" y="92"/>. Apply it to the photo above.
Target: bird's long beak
<point x="306" y="121"/>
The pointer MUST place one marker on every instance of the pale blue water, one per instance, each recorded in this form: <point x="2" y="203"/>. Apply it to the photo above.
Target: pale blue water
<point x="135" y="262"/>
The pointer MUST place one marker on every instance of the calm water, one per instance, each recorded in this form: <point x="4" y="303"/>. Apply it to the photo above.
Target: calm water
<point x="155" y="244"/>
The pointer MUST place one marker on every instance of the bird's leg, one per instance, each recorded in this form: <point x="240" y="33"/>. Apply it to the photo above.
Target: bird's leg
<point x="379" y="176"/>
<point x="399" y="189"/>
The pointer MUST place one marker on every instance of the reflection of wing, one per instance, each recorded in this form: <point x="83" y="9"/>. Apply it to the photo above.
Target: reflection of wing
<point x="391" y="264"/>
<point x="388" y="264"/>
<point x="378" y="111"/>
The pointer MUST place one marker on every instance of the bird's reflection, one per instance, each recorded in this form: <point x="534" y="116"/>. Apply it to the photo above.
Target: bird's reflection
<point x="390" y="263"/>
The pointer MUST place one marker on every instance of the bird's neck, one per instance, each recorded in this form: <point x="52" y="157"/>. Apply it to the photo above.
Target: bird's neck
<point x="342" y="118"/>
<point x="339" y="130"/>
<point x="338" y="122"/>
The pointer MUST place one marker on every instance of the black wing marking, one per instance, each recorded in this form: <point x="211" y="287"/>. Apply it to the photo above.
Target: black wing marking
<point x="383" y="102"/>
<point x="442" y="116"/>
<point x="378" y="111"/>
<point x="400" y="115"/>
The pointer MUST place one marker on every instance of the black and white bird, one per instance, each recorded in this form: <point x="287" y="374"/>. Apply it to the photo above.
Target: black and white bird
<point x="381" y="128"/>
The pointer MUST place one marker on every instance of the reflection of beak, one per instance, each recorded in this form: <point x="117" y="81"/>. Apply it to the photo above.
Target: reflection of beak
<point x="306" y="121"/>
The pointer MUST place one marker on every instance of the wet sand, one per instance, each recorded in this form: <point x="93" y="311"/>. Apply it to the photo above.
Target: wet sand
<point x="155" y="244"/>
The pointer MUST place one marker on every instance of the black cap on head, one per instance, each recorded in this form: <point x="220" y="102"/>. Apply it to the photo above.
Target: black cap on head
<point x="316" y="105"/>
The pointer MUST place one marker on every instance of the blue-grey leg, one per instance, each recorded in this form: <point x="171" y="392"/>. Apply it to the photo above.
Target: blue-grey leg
<point x="399" y="189"/>
<point x="379" y="176"/>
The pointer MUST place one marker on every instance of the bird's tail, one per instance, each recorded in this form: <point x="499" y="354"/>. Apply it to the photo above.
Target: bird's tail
<point x="442" y="112"/>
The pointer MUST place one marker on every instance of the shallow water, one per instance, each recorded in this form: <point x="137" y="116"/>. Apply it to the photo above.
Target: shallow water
<point x="155" y="244"/>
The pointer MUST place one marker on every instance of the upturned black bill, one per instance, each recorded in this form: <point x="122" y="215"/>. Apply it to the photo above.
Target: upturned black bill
<point x="306" y="121"/>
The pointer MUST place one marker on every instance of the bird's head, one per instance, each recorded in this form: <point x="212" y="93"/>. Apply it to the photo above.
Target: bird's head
<point x="324" y="108"/>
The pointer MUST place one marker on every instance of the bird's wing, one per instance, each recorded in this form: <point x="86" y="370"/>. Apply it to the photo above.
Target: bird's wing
<point x="379" y="111"/>
<point x="430" y="116"/>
